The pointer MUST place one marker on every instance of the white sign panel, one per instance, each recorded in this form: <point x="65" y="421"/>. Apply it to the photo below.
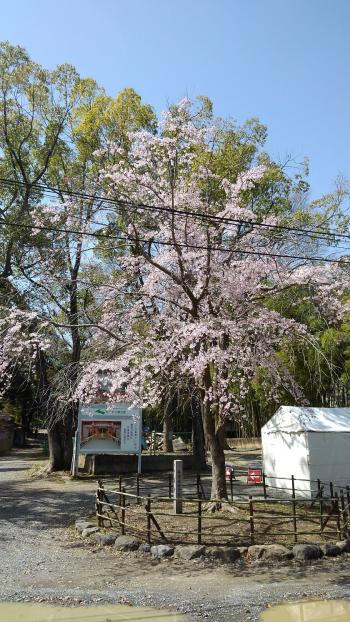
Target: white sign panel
<point x="108" y="429"/>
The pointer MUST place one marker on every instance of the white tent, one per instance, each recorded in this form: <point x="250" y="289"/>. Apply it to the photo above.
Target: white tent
<point x="308" y="443"/>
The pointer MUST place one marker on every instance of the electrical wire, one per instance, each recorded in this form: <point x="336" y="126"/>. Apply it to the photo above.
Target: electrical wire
<point x="185" y="213"/>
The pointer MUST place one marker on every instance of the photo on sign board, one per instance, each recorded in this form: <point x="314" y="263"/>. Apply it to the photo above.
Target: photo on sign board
<point x="98" y="430"/>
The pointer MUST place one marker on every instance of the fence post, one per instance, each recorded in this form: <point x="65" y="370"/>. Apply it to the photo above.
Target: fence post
<point x="123" y="510"/>
<point x="138" y="488"/>
<point x="199" y="525"/>
<point x="264" y="485"/>
<point x="342" y="505"/>
<point x="348" y="501"/>
<point x="198" y="484"/>
<point x="338" y="514"/>
<point x="294" y="511"/>
<point x="320" y="494"/>
<point x="231" y="485"/>
<point x="251" y="520"/>
<point x="148" y="510"/>
<point x="120" y="489"/>
<point x="331" y="491"/>
<point x="98" y="504"/>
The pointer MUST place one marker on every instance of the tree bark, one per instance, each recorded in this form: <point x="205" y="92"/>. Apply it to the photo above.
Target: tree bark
<point x="218" y="487"/>
<point x="60" y="445"/>
<point x="198" y="441"/>
<point x="222" y="437"/>
<point x="170" y="405"/>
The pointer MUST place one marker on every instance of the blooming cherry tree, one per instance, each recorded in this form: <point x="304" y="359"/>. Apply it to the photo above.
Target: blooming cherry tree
<point x="197" y="281"/>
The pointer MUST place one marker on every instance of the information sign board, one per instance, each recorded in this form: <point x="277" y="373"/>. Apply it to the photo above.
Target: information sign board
<point x="108" y="429"/>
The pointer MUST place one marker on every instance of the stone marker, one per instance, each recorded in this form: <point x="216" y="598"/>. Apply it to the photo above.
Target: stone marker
<point x="178" y="480"/>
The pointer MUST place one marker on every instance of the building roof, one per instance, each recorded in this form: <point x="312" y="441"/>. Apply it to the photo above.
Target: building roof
<point x="294" y="419"/>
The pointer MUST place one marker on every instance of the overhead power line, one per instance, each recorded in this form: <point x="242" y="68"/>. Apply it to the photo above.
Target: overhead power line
<point x="137" y="240"/>
<point x="313" y="233"/>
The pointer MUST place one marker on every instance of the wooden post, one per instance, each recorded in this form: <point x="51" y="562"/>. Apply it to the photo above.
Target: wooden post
<point x="98" y="504"/>
<point x="251" y="520"/>
<point x="338" y="513"/>
<point x="199" y="525"/>
<point x="138" y="488"/>
<point x="321" y="504"/>
<point x="148" y="510"/>
<point x="123" y="510"/>
<point x="331" y="490"/>
<point x="120" y="488"/>
<point x="198" y="484"/>
<point x="294" y="511"/>
<point x="348" y="501"/>
<point x="178" y="480"/>
<point x="344" y="520"/>
<point x="231" y="485"/>
<point x="264" y="485"/>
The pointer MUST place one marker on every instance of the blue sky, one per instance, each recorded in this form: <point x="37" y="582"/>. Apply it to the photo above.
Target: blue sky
<point x="284" y="61"/>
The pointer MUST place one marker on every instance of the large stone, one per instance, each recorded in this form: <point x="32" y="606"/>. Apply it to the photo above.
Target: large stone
<point x="105" y="539"/>
<point x="330" y="550"/>
<point x="86" y="533"/>
<point x="305" y="552"/>
<point x="126" y="543"/>
<point x="224" y="554"/>
<point x="162" y="550"/>
<point x="145" y="548"/>
<point x="191" y="551"/>
<point x="276" y="552"/>
<point x="81" y="524"/>
<point x="256" y="551"/>
<point x="344" y="546"/>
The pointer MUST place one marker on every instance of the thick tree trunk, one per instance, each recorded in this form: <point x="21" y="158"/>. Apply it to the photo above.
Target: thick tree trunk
<point x="222" y="437"/>
<point x="198" y="441"/>
<point x="218" y="487"/>
<point x="60" y="445"/>
<point x="169" y="409"/>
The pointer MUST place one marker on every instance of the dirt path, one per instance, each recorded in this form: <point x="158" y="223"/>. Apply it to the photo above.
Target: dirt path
<point x="41" y="558"/>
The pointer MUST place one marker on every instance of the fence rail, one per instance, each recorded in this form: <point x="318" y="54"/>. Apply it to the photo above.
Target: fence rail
<point x="252" y="520"/>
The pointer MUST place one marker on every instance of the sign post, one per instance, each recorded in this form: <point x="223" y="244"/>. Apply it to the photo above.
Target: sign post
<point x="178" y="481"/>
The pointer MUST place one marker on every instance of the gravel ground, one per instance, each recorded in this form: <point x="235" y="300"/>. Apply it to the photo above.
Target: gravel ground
<point x="42" y="559"/>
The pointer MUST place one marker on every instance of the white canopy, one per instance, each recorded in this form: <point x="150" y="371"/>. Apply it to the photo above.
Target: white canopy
<point x="294" y="419"/>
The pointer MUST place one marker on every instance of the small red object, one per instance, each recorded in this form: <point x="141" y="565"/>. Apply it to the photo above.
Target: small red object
<point x="254" y="475"/>
<point x="228" y="470"/>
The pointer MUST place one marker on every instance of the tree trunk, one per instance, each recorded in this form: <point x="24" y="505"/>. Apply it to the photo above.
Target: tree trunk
<point x="222" y="437"/>
<point x="169" y="409"/>
<point x="198" y="442"/>
<point x="218" y="487"/>
<point x="60" y="445"/>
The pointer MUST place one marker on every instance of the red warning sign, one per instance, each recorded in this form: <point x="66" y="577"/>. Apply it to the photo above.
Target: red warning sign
<point x="254" y="475"/>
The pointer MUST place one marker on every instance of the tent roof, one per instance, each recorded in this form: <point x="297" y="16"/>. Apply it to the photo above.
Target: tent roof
<point x="299" y="419"/>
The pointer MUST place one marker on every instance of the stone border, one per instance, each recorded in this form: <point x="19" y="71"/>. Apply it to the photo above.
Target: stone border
<point x="223" y="554"/>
